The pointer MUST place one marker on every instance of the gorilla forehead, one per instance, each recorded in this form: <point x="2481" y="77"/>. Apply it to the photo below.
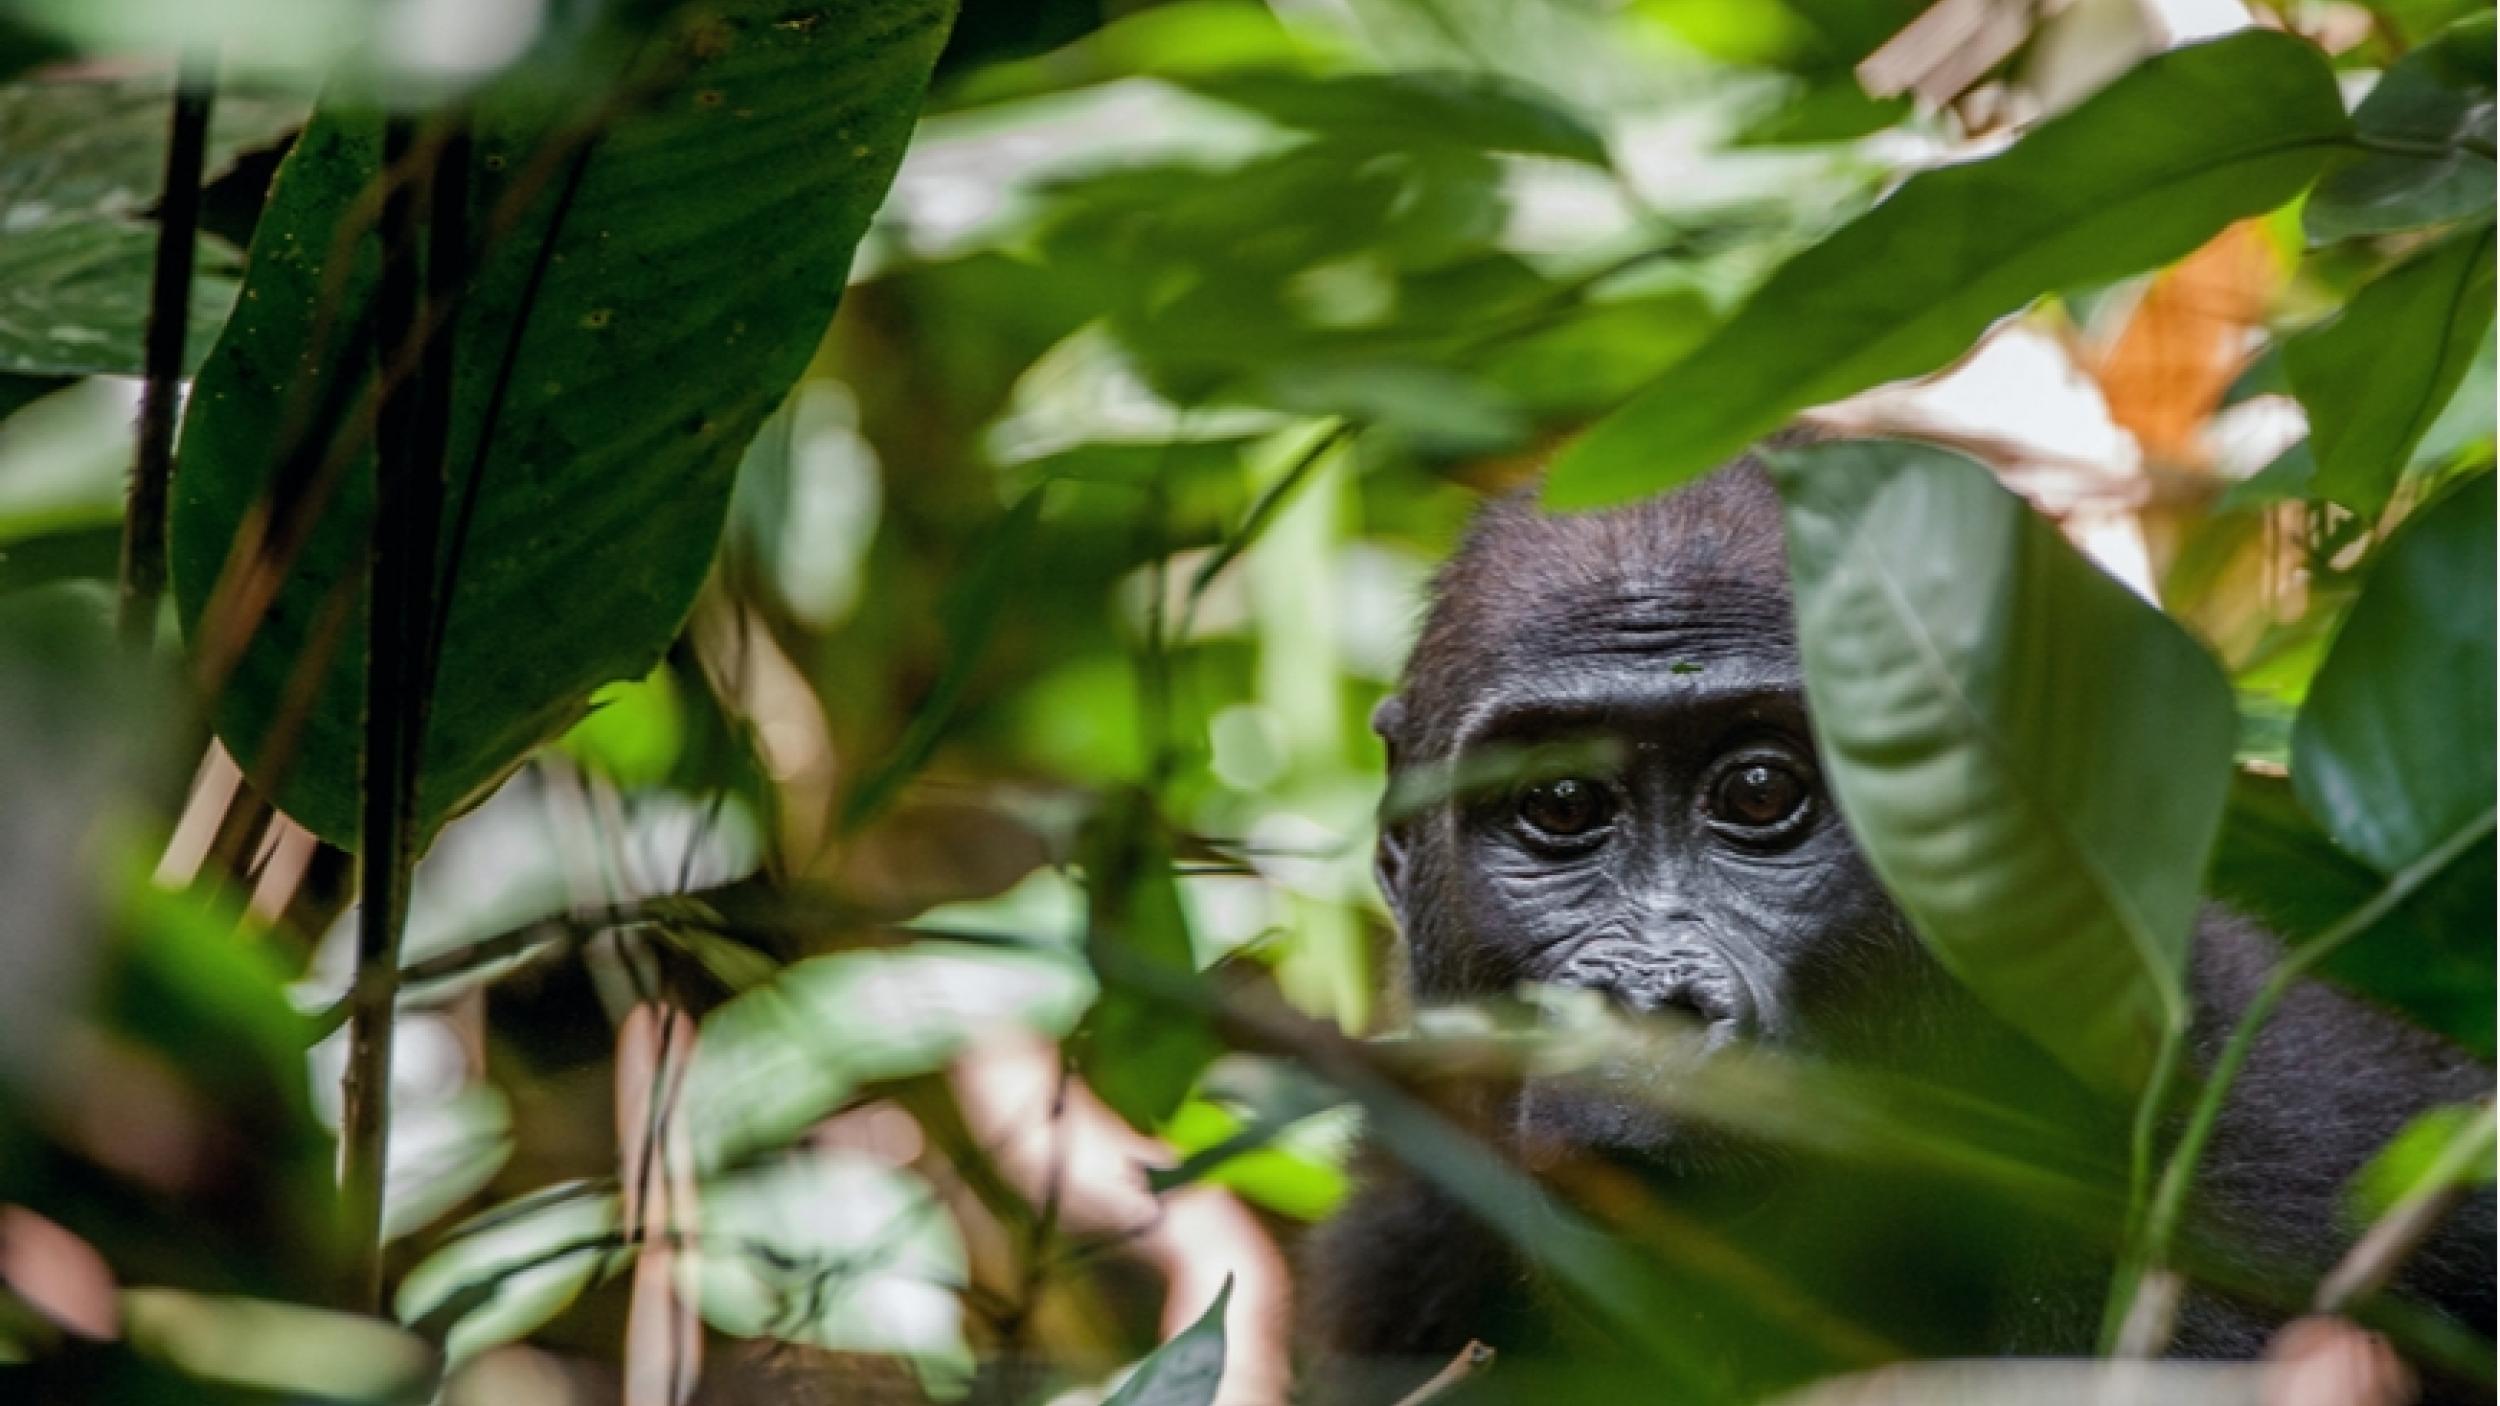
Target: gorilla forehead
<point x="1564" y="603"/>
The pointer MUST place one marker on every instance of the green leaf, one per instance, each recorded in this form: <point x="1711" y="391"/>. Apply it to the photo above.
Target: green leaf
<point x="775" y="1060"/>
<point x="650" y="288"/>
<point x="1996" y="716"/>
<point x="1184" y="1371"/>
<point x="839" y="1250"/>
<point x="1141" y="1049"/>
<point x="2140" y="174"/>
<point x="2431" y="115"/>
<point x="81" y="162"/>
<point x="2447" y="1146"/>
<point x="509" y="1272"/>
<point x="2377" y="375"/>
<point x="2430" y="959"/>
<point x="1409" y="110"/>
<point x="288" y="1350"/>
<point x="2393" y="750"/>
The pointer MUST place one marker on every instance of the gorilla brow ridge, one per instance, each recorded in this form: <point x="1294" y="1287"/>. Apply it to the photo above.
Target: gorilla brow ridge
<point x="1721" y="533"/>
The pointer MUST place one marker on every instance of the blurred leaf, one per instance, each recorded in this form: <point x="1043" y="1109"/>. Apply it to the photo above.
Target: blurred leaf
<point x="633" y="731"/>
<point x="621" y="398"/>
<point x="1184" y="1371"/>
<point x="18" y="391"/>
<point x="81" y="163"/>
<point x="1992" y="711"/>
<point x="279" y="1347"/>
<point x="1258" y="1160"/>
<point x="2423" y="1159"/>
<point x="1000" y="567"/>
<point x="2428" y="959"/>
<point x="2435" y="106"/>
<point x="2393" y="751"/>
<point x="2377" y="375"/>
<point x="777" y="1059"/>
<point x="2284" y="480"/>
<point x="509" y="1272"/>
<point x="2146" y="170"/>
<point x="1414" y="110"/>
<point x="441" y="1154"/>
<point x="1139" y="1051"/>
<point x="840" y="1251"/>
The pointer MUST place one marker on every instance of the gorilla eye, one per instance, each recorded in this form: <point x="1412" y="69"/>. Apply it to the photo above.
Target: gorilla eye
<point x="1757" y="796"/>
<point x="1568" y="809"/>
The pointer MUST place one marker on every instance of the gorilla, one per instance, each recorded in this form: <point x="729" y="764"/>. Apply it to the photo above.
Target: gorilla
<point x="1703" y="871"/>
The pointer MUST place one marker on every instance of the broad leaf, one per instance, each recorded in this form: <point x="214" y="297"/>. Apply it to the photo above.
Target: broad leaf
<point x="2146" y="170"/>
<point x="81" y="161"/>
<point x="652" y="280"/>
<point x="2393" y="753"/>
<point x="2377" y="375"/>
<point x="1184" y="1371"/>
<point x="2431" y="116"/>
<point x="2034" y="759"/>
<point x="2393" y="750"/>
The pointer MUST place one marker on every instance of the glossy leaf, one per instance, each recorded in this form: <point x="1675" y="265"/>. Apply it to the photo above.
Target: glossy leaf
<point x="2034" y="759"/>
<point x="2431" y="118"/>
<point x="650" y="287"/>
<point x="2144" y="171"/>
<point x="2377" y="375"/>
<point x="2393" y="749"/>
<point x="1184" y="1371"/>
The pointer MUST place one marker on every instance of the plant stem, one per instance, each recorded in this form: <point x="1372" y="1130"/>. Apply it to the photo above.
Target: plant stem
<point x="2390" y="1241"/>
<point x="2178" y="1176"/>
<point x="169" y="330"/>
<point x="410" y="450"/>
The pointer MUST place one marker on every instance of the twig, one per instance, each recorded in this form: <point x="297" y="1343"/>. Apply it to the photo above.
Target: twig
<point x="414" y="424"/>
<point x="2387" y="1244"/>
<point x="2170" y="1199"/>
<point x="169" y="331"/>
<point x="1472" y="1359"/>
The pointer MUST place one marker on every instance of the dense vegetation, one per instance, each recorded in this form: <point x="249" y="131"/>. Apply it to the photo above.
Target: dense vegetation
<point x="535" y="809"/>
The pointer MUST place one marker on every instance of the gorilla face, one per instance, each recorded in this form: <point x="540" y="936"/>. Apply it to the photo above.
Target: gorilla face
<point x="1662" y="833"/>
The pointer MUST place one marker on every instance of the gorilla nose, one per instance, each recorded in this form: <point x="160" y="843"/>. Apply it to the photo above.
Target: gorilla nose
<point x="1686" y="981"/>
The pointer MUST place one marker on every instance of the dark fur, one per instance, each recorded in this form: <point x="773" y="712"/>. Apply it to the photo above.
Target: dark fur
<point x="1696" y="584"/>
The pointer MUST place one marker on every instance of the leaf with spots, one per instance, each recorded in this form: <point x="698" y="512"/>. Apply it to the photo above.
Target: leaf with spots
<point x="663" y="223"/>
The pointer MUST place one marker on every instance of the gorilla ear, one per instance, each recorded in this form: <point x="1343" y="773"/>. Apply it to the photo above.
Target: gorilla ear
<point x="1389" y="853"/>
<point x="1389" y="723"/>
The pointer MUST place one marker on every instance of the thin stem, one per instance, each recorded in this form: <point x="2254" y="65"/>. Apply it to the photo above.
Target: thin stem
<point x="2118" y="1310"/>
<point x="2178" y="1177"/>
<point x="1471" y="1359"/>
<point x="169" y="331"/>
<point x="411" y="446"/>
<point x="2392" y="1240"/>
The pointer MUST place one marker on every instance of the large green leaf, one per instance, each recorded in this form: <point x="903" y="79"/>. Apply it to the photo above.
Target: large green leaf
<point x="649" y="288"/>
<point x="2393" y="749"/>
<point x="2375" y="376"/>
<point x="2034" y="759"/>
<point x="81" y="160"/>
<point x="2430" y="123"/>
<point x="2143" y="172"/>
